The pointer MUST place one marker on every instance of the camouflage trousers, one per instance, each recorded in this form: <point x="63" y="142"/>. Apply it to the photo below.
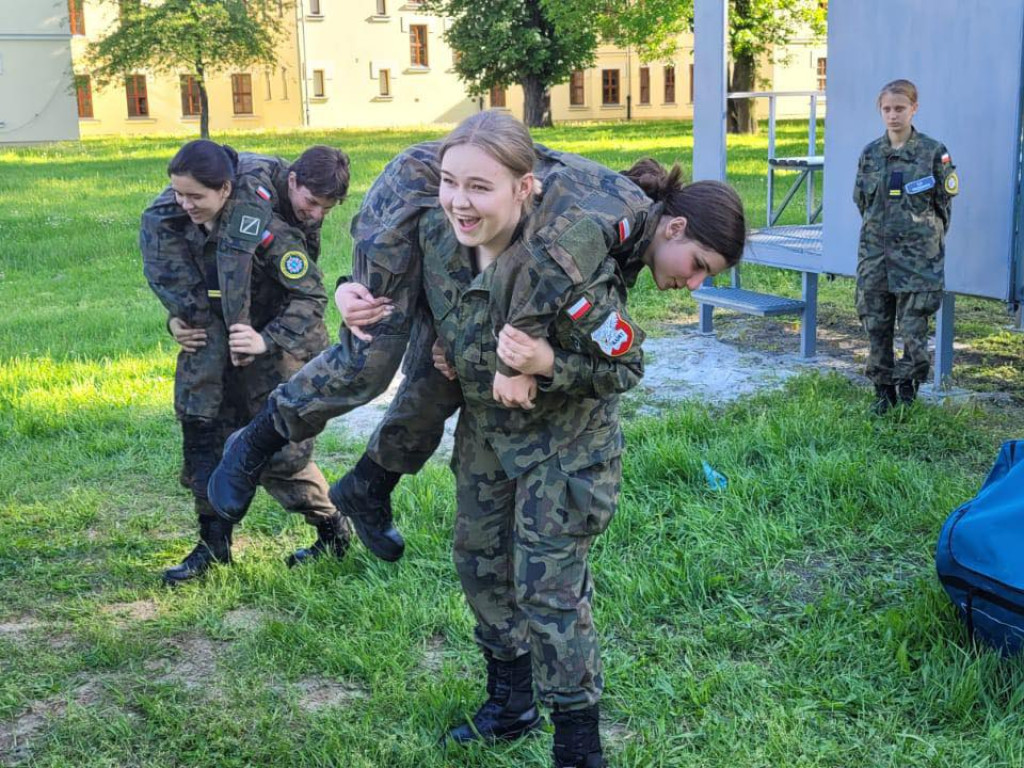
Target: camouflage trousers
<point x="520" y="548"/>
<point x="291" y="477"/>
<point x="353" y="372"/>
<point x="881" y="312"/>
<point x="199" y="375"/>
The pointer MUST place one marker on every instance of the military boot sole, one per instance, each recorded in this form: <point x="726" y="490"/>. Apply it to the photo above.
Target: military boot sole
<point x="385" y="543"/>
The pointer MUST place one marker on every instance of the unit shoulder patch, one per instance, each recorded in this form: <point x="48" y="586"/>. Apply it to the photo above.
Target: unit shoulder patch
<point x="294" y="265"/>
<point x="614" y="336"/>
<point x="247" y="222"/>
<point x="952" y="184"/>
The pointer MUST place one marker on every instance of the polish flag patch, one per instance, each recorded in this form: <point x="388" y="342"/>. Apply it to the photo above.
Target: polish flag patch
<point x="579" y="309"/>
<point x="615" y="336"/>
<point x="945" y="158"/>
<point x="624" y="230"/>
<point x="267" y="238"/>
<point x="263" y="192"/>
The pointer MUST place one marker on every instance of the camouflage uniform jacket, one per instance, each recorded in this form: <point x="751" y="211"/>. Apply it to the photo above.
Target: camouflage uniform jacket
<point x="905" y="198"/>
<point x="597" y="354"/>
<point x="287" y="292"/>
<point x="260" y="191"/>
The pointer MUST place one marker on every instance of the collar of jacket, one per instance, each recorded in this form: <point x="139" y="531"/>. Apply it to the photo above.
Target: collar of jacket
<point x="905" y="152"/>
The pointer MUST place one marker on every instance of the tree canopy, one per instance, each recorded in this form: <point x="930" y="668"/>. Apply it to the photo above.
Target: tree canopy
<point x="535" y="43"/>
<point x="199" y="36"/>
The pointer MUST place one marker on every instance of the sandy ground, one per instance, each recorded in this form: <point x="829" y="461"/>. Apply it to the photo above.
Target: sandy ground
<point x="683" y="364"/>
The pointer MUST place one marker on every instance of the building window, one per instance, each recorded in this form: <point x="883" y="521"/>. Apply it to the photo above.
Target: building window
<point x="284" y="83"/>
<point x="609" y="86"/>
<point x="83" y="90"/>
<point x="418" y="45"/>
<point x="138" y="104"/>
<point x="576" y="91"/>
<point x="314" y="8"/>
<point x="498" y="97"/>
<point x="382" y="9"/>
<point x="670" y="85"/>
<point x="384" y="76"/>
<point x="76" y="13"/>
<point x="645" y="85"/>
<point x="266" y="80"/>
<point x="319" y="85"/>
<point x="191" y="103"/>
<point x="822" y="72"/>
<point x="241" y="94"/>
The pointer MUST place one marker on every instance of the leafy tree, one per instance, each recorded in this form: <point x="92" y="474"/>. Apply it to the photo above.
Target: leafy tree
<point x="535" y="43"/>
<point x="652" y="27"/>
<point x="755" y="28"/>
<point x="197" y="36"/>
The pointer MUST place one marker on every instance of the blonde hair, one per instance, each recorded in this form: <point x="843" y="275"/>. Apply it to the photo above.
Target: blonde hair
<point x="899" y="88"/>
<point x="498" y="134"/>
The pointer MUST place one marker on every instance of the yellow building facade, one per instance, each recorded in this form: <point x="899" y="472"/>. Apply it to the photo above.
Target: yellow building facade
<point x="145" y="102"/>
<point x="384" y="63"/>
<point x="36" y="103"/>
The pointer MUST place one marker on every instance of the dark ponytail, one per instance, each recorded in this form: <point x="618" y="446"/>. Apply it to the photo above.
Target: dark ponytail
<point x="207" y="162"/>
<point x="713" y="211"/>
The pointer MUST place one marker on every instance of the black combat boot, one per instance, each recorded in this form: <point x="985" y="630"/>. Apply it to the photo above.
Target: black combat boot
<point x="509" y="712"/>
<point x="214" y="547"/>
<point x="332" y="538"/>
<point x="577" y="739"/>
<point x="906" y="392"/>
<point x="885" y="398"/>
<point x="364" y="497"/>
<point x="246" y="453"/>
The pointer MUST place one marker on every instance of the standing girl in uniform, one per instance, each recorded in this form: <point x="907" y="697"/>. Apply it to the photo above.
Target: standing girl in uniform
<point x="905" y="186"/>
<point x="535" y="283"/>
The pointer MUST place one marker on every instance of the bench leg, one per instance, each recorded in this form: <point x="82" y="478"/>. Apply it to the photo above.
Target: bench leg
<point x="809" y="317"/>
<point x="944" y="341"/>
<point x="707" y="322"/>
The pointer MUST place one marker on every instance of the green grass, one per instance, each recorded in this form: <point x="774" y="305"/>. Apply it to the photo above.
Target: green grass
<point x="791" y="620"/>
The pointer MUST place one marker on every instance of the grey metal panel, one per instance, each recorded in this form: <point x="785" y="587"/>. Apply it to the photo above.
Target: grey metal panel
<point x="709" y="90"/>
<point x="965" y="57"/>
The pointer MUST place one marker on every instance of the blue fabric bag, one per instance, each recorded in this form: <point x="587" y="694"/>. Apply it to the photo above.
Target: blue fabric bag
<point x="980" y="555"/>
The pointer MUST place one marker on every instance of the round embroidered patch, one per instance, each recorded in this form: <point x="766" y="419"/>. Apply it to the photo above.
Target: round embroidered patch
<point x="294" y="265"/>
<point x="614" y="336"/>
<point x="952" y="184"/>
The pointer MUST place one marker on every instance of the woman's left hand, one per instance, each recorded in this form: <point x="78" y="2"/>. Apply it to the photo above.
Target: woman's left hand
<point x="525" y="353"/>
<point x="245" y="344"/>
<point x="515" y="391"/>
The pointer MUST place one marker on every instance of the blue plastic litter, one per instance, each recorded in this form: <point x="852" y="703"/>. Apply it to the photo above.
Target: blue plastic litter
<point x="716" y="480"/>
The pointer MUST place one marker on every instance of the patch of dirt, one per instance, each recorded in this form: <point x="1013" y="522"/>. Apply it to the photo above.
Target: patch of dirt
<point x="433" y="655"/>
<point x="17" y="736"/>
<point x="615" y="734"/>
<point x="20" y="625"/>
<point x="316" y="694"/>
<point x="193" y="665"/>
<point x="126" y="613"/>
<point x="244" y="619"/>
<point x="807" y="577"/>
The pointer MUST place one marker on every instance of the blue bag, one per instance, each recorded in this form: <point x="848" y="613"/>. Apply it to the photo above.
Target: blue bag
<point x="980" y="555"/>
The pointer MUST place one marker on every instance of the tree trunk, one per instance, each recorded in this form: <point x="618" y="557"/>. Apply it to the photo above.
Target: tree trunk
<point x="742" y="118"/>
<point x="204" y="104"/>
<point x="536" y="110"/>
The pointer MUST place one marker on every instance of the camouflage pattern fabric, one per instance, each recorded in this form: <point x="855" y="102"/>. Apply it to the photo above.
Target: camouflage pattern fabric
<point x="287" y="302"/>
<point x="387" y="259"/>
<point x="881" y="312"/>
<point x="905" y="198"/>
<point x="520" y="549"/>
<point x="534" y="487"/>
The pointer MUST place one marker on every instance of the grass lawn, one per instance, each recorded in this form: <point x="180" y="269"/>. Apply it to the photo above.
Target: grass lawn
<point x="792" y="619"/>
